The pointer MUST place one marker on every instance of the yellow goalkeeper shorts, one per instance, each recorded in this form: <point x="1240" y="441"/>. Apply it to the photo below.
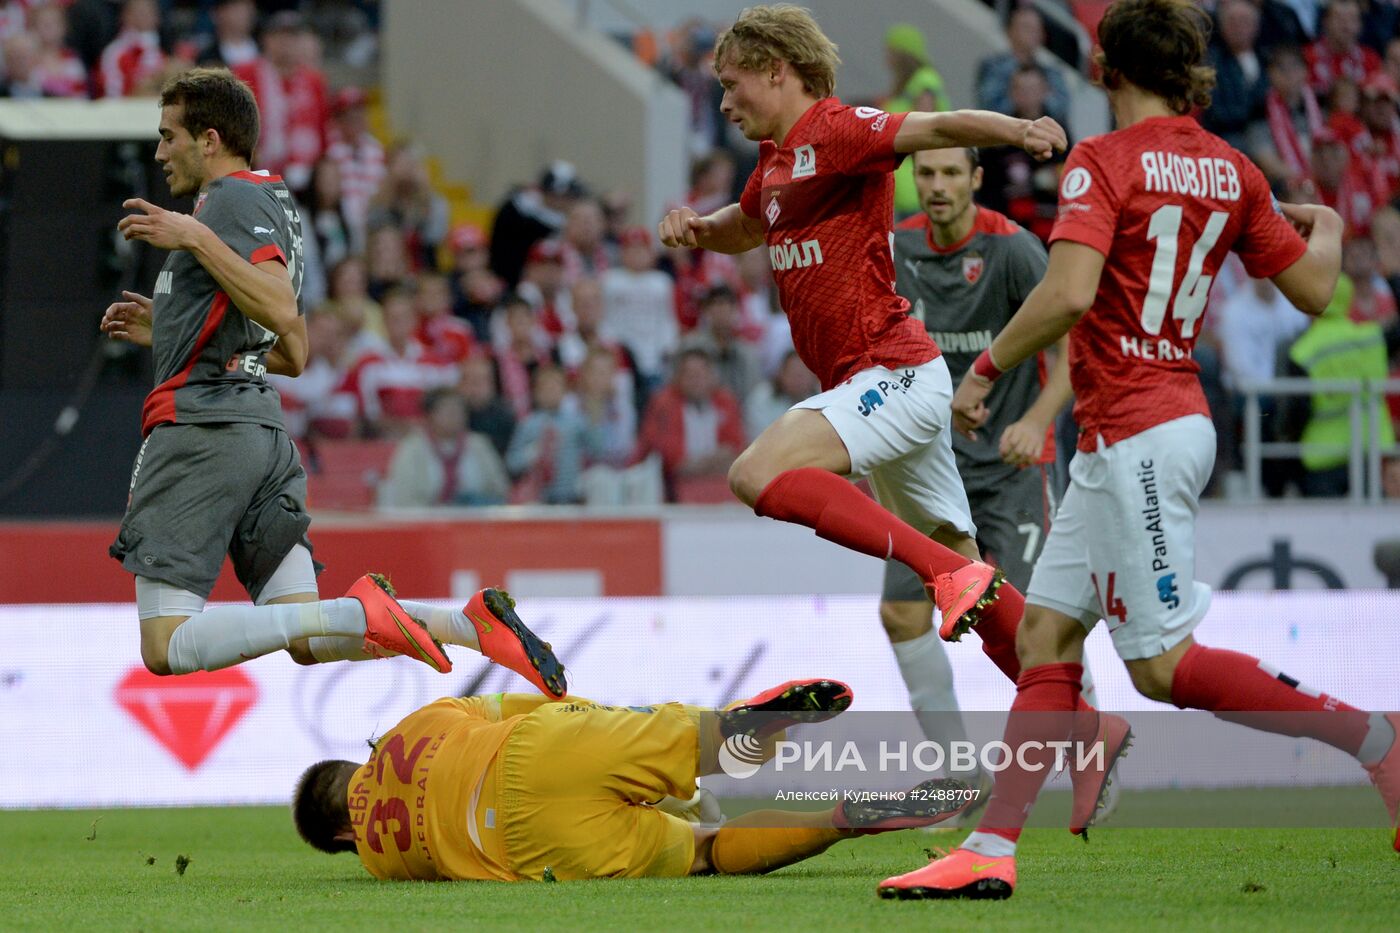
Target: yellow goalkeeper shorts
<point x="572" y="785"/>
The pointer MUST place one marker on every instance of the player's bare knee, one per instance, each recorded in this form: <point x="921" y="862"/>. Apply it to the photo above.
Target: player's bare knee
<point x="1048" y="637"/>
<point x="704" y="845"/>
<point x="747" y="477"/>
<point x="905" y="620"/>
<point x="154" y="654"/>
<point x="955" y="540"/>
<point x="155" y="643"/>
<point x="1033" y="648"/>
<point x="301" y="653"/>
<point x="1152" y="677"/>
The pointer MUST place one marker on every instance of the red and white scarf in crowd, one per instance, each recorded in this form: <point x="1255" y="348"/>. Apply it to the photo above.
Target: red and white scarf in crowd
<point x="129" y="60"/>
<point x="1380" y="156"/>
<point x="1355" y="199"/>
<point x="1285" y="132"/>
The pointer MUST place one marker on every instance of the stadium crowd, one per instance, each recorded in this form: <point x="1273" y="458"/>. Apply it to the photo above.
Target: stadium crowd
<point x="563" y="356"/>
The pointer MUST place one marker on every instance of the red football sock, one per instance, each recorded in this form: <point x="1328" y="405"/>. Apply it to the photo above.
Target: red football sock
<point x="1046" y="698"/>
<point x="840" y="512"/>
<point x="1227" y="682"/>
<point x="998" y="628"/>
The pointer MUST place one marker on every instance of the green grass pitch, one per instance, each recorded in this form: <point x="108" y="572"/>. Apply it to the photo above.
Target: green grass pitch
<point x="247" y="870"/>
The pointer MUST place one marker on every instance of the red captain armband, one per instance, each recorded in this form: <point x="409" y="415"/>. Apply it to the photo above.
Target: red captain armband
<point x="985" y="367"/>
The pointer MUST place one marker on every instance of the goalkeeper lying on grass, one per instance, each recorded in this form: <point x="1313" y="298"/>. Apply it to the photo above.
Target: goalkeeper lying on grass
<point x="512" y="787"/>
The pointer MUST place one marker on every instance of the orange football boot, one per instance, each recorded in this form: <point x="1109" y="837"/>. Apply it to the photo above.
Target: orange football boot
<point x="960" y="874"/>
<point x="1091" y="783"/>
<point x="962" y="595"/>
<point x="390" y="630"/>
<point x="776" y="708"/>
<point x="506" y="640"/>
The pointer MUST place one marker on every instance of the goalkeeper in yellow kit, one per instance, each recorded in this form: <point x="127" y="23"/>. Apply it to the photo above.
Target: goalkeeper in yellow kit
<point x="508" y="786"/>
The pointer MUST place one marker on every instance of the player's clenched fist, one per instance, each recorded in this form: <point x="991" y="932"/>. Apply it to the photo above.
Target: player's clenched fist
<point x="969" y="405"/>
<point x="1043" y="138"/>
<point x="129" y="320"/>
<point x="1023" y="442"/>
<point x="681" y="227"/>
<point x="1308" y="217"/>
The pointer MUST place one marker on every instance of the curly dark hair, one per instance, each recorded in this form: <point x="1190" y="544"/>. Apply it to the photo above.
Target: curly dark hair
<point x="1158" y="45"/>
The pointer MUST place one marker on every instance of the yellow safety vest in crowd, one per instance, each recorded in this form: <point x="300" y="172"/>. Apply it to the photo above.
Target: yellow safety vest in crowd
<point x="1335" y="347"/>
<point x="923" y="81"/>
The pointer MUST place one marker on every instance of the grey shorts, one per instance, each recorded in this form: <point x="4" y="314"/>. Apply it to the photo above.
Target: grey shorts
<point x="200" y="491"/>
<point x="1012" y="518"/>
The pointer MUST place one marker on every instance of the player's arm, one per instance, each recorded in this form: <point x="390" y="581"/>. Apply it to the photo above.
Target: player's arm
<point x="1052" y="308"/>
<point x="262" y="292"/>
<point x="1041" y="138"/>
<point x="1311" y="280"/>
<point x="727" y="230"/>
<point x="288" y="356"/>
<point x="1023" y="442"/>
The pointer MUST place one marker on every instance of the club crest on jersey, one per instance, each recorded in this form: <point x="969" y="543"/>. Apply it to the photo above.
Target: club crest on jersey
<point x="877" y="117"/>
<point x="804" y="162"/>
<point x="1075" y="184"/>
<point x="773" y="211"/>
<point x="972" y="268"/>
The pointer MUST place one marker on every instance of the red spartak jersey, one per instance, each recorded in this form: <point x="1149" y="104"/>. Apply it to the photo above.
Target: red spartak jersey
<point x="1163" y="201"/>
<point x="826" y="199"/>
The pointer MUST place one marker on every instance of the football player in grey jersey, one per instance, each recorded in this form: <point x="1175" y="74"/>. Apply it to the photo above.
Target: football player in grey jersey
<point x="217" y="472"/>
<point x="965" y="270"/>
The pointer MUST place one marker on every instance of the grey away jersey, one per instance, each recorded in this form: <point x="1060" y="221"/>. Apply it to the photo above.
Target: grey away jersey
<point x="209" y="358"/>
<point x="965" y="295"/>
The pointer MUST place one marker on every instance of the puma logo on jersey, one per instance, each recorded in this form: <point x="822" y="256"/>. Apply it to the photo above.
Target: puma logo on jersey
<point x="260" y="231"/>
<point x="164" y="282"/>
<point x="790" y="255"/>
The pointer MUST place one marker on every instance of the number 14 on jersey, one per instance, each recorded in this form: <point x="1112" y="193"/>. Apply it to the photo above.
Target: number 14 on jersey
<point x="1190" y="295"/>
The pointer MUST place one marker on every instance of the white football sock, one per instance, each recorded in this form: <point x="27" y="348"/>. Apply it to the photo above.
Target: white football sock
<point x="923" y="663"/>
<point x="449" y="626"/>
<point x="225" y="635"/>
<point x="989" y="844"/>
<point x="326" y="648"/>
<point x="1379" y="737"/>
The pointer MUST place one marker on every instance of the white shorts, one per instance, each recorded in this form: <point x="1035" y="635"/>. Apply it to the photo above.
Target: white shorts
<point x="894" y="424"/>
<point x="294" y="576"/>
<point x="1122" y="546"/>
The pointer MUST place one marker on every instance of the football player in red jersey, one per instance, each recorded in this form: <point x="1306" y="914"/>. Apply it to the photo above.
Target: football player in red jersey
<point x="821" y="199"/>
<point x="1147" y="214"/>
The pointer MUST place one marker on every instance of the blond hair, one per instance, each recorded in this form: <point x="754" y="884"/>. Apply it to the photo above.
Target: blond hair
<point x="781" y="32"/>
